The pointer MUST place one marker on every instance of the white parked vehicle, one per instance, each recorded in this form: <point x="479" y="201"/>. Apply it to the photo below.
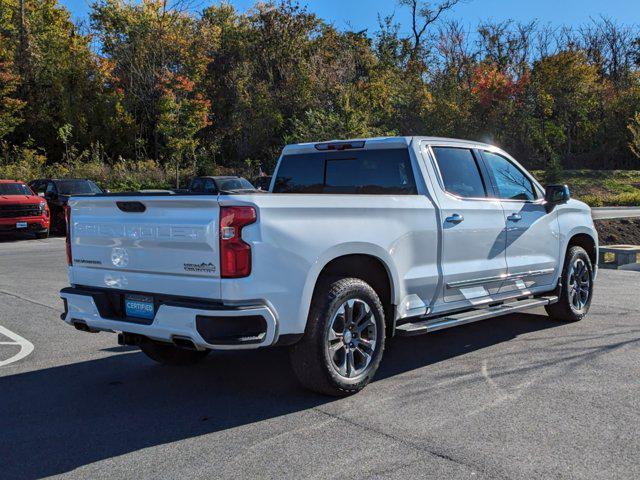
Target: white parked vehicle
<point x="357" y="241"/>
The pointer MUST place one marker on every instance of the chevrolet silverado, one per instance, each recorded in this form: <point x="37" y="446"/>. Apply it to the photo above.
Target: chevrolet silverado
<point x="355" y="242"/>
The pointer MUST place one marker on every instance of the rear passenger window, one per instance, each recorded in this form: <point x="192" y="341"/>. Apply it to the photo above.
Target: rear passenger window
<point x="460" y="172"/>
<point x="373" y="172"/>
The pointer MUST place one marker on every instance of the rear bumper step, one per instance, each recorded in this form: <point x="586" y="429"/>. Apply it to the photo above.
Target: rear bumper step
<point x="440" y="323"/>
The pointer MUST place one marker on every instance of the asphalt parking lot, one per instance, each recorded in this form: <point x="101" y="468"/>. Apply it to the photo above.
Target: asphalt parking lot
<point x="515" y="397"/>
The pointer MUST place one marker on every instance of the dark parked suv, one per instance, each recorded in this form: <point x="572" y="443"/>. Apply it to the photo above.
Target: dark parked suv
<point x="219" y="184"/>
<point x="57" y="192"/>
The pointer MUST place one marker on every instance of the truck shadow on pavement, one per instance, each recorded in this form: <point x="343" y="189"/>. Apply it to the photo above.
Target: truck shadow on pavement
<point x="57" y="419"/>
<point x="23" y="237"/>
<point x="16" y="237"/>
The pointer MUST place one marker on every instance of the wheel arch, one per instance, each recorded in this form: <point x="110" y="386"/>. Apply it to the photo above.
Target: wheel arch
<point x="562" y="310"/>
<point x="367" y="262"/>
<point x="586" y="240"/>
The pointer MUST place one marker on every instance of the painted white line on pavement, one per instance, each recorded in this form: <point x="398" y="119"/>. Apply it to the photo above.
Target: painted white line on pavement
<point x="26" y="347"/>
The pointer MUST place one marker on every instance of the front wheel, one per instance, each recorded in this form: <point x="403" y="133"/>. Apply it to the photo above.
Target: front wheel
<point x="58" y="221"/>
<point x="168" y="354"/>
<point x="344" y="339"/>
<point x="577" y="287"/>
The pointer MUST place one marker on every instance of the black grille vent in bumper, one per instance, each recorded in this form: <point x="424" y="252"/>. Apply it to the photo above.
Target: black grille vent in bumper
<point x="17" y="210"/>
<point x="231" y="330"/>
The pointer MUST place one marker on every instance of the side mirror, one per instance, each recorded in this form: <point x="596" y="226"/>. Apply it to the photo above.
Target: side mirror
<point x="556" y="195"/>
<point x="106" y="190"/>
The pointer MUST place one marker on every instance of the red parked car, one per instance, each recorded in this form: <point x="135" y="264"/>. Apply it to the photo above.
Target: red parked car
<point x="21" y="210"/>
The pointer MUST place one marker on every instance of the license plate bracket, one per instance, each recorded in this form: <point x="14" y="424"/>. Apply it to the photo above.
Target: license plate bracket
<point x="139" y="306"/>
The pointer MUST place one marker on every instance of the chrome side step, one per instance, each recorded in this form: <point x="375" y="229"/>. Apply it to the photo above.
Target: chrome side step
<point x="470" y="316"/>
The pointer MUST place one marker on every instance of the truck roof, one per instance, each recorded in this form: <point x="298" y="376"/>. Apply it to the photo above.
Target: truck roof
<point x="380" y="143"/>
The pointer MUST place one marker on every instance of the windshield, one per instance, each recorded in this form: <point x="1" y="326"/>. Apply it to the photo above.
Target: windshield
<point x="235" y="184"/>
<point x="74" y="187"/>
<point x="14" y="189"/>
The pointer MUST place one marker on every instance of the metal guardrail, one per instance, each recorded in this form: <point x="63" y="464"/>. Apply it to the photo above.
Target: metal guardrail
<point x="605" y="213"/>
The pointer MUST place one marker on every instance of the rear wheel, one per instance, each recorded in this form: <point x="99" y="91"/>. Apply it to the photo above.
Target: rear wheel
<point x="344" y="339"/>
<point x="577" y="287"/>
<point x="42" y="235"/>
<point x="168" y="354"/>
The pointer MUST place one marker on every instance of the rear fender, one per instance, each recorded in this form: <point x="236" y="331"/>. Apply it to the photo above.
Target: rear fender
<point x="351" y="248"/>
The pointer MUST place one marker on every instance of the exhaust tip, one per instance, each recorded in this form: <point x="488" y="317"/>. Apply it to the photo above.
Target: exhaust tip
<point x="82" y="326"/>
<point x="184" y="342"/>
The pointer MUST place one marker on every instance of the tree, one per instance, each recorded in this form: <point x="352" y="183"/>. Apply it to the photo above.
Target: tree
<point x="10" y="106"/>
<point x="423" y="15"/>
<point x="146" y="43"/>
<point x="56" y="70"/>
<point x="182" y="115"/>
<point x="64" y="134"/>
<point x="634" y="129"/>
<point x="159" y="83"/>
<point x="570" y="88"/>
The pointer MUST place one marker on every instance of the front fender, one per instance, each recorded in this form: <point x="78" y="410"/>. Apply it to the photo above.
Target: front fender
<point x="574" y="219"/>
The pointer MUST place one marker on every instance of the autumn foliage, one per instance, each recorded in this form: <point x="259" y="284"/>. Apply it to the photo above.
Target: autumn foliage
<point x="154" y="86"/>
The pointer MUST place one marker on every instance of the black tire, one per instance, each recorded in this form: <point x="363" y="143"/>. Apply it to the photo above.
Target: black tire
<point x="168" y="354"/>
<point x="58" y="222"/>
<point x="311" y="358"/>
<point x="573" y="304"/>
<point x="42" y="235"/>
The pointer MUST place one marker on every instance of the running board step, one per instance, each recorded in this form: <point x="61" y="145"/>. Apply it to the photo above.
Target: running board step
<point x="470" y="316"/>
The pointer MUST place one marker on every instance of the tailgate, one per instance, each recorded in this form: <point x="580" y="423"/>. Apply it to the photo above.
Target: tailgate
<point x="155" y="244"/>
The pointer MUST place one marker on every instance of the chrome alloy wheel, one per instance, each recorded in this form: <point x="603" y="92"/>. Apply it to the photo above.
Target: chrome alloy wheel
<point x="579" y="285"/>
<point x="351" y="338"/>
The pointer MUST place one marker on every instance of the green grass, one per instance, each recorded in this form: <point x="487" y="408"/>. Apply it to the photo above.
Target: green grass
<point x="600" y="188"/>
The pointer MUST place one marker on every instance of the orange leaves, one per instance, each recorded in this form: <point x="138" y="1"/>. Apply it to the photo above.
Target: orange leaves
<point x="184" y="84"/>
<point x="6" y="77"/>
<point x="175" y="85"/>
<point x="106" y="68"/>
<point x="9" y="106"/>
<point x="492" y="85"/>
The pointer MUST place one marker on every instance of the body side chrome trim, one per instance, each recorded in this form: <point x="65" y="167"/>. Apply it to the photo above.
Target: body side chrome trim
<point x="499" y="278"/>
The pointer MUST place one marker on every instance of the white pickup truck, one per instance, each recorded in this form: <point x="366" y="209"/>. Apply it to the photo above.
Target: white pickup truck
<point x="355" y="242"/>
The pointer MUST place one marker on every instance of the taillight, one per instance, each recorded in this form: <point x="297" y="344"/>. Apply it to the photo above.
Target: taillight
<point x="235" y="254"/>
<point x="67" y="221"/>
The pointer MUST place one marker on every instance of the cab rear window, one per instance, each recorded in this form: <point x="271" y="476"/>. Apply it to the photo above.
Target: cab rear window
<point x="381" y="172"/>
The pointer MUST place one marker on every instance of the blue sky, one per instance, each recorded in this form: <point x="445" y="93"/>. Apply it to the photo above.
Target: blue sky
<point x="360" y="14"/>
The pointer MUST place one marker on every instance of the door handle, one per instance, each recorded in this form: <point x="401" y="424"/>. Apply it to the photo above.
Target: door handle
<point x="514" y="217"/>
<point x="455" y="218"/>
